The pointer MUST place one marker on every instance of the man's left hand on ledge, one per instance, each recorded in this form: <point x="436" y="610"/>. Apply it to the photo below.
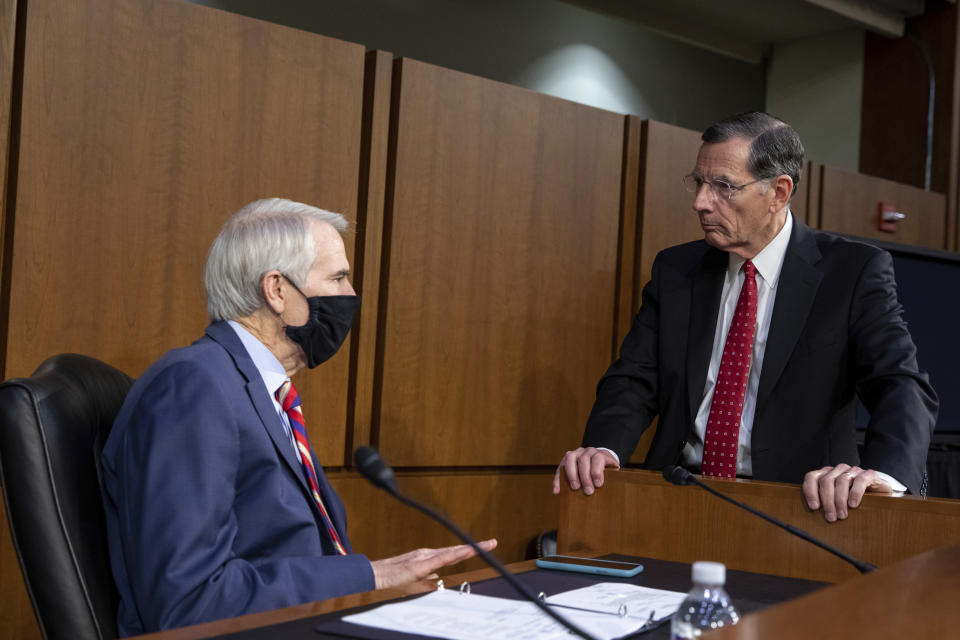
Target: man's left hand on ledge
<point x="837" y="489"/>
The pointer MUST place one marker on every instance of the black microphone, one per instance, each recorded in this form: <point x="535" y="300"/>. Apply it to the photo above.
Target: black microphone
<point x="678" y="475"/>
<point x="372" y="467"/>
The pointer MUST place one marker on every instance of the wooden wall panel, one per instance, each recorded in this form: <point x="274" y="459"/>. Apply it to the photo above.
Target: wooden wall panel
<point x="630" y="230"/>
<point x="688" y="524"/>
<point x="667" y="215"/>
<point x="16" y="614"/>
<point x="893" y="122"/>
<point x="367" y="262"/>
<point x="503" y="225"/>
<point x="799" y="205"/>
<point x="512" y="506"/>
<point x="893" y="127"/>
<point x="849" y="203"/>
<point x="813" y="174"/>
<point x="145" y="124"/>
<point x="8" y="27"/>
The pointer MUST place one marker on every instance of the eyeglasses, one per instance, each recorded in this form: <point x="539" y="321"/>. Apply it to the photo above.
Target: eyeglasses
<point x="720" y="188"/>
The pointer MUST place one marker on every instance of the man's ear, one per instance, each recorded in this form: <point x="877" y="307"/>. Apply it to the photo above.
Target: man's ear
<point x="782" y="187"/>
<point x="274" y="291"/>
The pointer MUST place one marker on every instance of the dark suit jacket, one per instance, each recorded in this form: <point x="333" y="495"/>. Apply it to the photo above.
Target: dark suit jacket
<point x="836" y="333"/>
<point x="208" y="514"/>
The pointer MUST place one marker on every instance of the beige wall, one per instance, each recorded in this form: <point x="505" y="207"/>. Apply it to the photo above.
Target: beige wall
<point x="816" y="85"/>
<point x="550" y="46"/>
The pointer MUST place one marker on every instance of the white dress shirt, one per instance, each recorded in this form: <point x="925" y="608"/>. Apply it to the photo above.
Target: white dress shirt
<point x="272" y="373"/>
<point x="768" y="263"/>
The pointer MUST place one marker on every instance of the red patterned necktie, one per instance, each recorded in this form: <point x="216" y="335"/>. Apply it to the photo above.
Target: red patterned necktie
<point x="289" y="399"/>
<point x="723" y="423"/>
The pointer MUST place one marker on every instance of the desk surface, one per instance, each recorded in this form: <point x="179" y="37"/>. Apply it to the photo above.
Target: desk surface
<point x="890" y="532"/>
<point x="914" y="598"/>
<point x="313" y="609"/>
<point x="750" y="591"/>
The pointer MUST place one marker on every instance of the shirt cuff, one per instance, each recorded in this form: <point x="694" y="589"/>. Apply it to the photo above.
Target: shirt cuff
<point x="616" y="457"/>
<point x="893" y="482"/>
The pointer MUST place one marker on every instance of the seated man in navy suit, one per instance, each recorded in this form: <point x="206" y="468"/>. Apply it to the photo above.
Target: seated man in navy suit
<point x="216" y="504"/>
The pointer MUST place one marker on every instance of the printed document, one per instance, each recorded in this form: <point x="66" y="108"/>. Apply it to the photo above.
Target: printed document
<point x="458" y="616"/>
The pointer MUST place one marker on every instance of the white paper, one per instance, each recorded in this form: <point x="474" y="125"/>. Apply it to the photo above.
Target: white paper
<point x="450" y="614"/>
<point x="640" y="602"/>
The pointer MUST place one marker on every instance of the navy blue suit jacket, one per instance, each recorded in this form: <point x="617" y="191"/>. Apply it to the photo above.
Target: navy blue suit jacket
<point x="208" y="514"/>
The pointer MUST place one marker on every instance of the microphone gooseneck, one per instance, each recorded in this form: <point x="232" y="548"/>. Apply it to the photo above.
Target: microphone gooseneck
<point x="678" y="475"/>
<point x="375" y="469"/>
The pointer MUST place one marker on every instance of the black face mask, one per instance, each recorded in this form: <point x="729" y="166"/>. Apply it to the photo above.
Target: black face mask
<point x="327" y="327"/>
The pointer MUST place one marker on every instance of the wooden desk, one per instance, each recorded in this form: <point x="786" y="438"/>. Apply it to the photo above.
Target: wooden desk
<point x="276" y="616"/>
<point x="655" y="519"/>
<point x="755" y="591"/>
<point x="914" y="598"/>
<point x="639" y="513"/>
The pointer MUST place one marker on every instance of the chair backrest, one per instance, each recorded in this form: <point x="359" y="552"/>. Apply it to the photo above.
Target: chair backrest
<point x="52" y="429"/>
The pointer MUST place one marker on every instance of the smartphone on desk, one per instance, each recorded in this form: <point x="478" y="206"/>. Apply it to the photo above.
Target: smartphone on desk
<point x="590" y="565"/>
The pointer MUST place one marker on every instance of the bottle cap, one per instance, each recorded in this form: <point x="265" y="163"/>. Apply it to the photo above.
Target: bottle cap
<point x="709" y="573"/>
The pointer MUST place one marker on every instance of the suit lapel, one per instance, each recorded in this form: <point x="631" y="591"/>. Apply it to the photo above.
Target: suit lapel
<point x="796" y="291"/>
<point x="704" y="307"/>
<point x="224" y="335"/>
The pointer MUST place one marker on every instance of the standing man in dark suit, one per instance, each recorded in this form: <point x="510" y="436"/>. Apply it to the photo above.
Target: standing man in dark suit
<point x="216" y="504"/>
<point x="753" y="344"/>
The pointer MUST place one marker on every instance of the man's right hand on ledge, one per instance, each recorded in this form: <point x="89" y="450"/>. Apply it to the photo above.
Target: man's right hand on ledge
<point x="583" y="469"/>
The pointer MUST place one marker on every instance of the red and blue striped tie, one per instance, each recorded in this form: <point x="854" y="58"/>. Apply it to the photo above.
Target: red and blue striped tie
<point x="289" y="399"/>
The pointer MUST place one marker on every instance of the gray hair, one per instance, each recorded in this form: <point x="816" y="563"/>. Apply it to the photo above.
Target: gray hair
<point x="264" y="235"/>
<point x="775" y="148"/>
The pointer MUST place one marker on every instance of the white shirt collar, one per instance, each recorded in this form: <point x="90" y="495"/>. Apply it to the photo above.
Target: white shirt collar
<point x="769" y="261"/>
<point x="271" y="371"/>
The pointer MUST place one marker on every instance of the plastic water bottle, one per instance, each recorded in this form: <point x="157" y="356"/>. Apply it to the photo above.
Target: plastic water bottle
<point x="707" y="606"/>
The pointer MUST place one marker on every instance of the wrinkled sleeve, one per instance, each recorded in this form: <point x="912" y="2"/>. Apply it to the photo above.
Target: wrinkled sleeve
<point x="897" y="394"/>
<point x="626" y="401"/>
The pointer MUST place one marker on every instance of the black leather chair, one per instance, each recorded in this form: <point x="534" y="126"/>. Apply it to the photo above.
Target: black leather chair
<point x="52" y="429"/>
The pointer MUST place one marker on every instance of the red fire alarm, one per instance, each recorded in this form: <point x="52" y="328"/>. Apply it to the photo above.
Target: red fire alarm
<point x="888" y="217"/>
